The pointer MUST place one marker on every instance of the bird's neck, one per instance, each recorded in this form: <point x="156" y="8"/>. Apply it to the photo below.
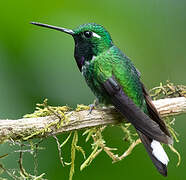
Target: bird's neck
<point x="83" y="56"/>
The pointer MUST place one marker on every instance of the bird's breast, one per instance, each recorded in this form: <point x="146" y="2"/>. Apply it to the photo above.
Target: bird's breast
<point x="89" y="73"/>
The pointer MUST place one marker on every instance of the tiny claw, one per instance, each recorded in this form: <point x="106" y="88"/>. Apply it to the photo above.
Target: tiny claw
<point x="92" y="106"/>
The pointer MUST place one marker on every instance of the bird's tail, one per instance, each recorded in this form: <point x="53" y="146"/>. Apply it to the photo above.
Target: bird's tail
<point x="153" y="147"/>
<point x="156" y="153"/>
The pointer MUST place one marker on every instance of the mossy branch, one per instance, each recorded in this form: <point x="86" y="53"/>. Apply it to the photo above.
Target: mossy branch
<point x="50" y="121"/>
<point x="35" y="127"/>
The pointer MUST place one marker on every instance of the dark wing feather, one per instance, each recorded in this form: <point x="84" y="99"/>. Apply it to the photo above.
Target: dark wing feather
<point x="133" y="113"/>
<point x="147" y="143"/>
<point x="153" y="113"/>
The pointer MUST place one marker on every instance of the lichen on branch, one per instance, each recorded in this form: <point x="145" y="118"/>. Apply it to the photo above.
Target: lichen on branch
<point x="53" y="120"/>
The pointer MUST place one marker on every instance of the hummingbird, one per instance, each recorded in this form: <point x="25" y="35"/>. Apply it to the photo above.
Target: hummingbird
<point x="115" y="80"/>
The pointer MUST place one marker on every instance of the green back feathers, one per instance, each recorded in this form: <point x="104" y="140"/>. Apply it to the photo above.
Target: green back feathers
<point x="115" y="63"/>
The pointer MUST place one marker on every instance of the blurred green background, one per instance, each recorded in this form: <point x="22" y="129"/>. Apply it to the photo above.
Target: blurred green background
<point x="36" y="63"/>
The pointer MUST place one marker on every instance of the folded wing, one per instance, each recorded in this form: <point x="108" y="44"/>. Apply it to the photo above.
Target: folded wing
<point x="133" y="114"/>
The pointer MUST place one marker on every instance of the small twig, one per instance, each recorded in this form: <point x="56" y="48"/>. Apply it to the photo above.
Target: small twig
<point x="129" y="150"/>
<point x="177" y="153"/>
<point x="22" y="170"/>
<point x="73" y="154"/>
<point x="35" y="157"/>
<point x="59" y="150"/>
<point x="4" y="155"/>
<point x="8" y="172"/>
<point x="109" y="152"/>
<point x="45" y="104"/>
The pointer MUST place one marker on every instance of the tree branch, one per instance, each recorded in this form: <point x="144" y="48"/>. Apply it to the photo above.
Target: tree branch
<point x="23" y="129"/>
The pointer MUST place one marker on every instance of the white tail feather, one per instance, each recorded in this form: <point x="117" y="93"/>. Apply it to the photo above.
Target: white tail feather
<point x="158" y="152"/>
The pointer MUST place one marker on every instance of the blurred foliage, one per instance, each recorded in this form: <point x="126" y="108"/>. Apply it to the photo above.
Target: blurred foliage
<point x="36" y="63"/>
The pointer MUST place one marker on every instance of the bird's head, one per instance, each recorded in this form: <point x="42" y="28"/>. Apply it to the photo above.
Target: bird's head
<point x="90" y="40"/>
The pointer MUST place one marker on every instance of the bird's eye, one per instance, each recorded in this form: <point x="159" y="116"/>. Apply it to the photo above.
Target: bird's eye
<point x="87" y="34"/>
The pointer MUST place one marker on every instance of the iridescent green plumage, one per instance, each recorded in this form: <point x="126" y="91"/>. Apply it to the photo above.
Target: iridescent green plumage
<point x="107" y="64"/>
<point x="109" y="60"/>
<point x="114" y="80"/>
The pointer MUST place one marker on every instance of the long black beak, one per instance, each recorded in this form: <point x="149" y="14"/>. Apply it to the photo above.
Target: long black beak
<point x="68" y="31"/>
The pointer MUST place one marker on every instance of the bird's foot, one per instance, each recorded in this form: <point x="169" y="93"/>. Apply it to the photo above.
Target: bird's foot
<point x="92" y="106"/>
